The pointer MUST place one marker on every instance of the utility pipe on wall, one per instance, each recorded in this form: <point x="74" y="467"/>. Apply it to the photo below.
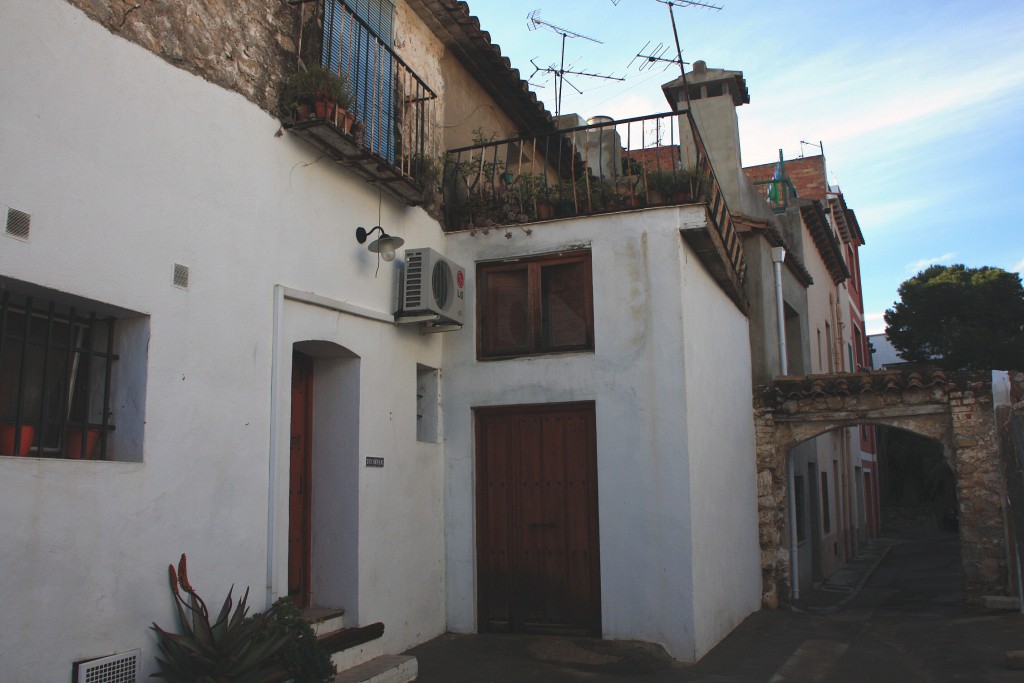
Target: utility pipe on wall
<point x="778" y="256"/>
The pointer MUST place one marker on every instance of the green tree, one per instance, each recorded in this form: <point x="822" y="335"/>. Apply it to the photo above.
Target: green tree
<point x="960" y="318"/>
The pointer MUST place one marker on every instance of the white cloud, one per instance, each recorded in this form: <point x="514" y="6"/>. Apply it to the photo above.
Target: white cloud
<point x="1018" y="267"/>
<point x="924" y="263"/>
<point x="874" y="322"/>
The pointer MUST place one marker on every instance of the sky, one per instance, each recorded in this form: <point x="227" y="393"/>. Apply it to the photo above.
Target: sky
<point x="919" y="106"/>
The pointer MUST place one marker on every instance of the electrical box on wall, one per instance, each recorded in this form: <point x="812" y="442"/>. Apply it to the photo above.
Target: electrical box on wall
<point x="431" y="290"/>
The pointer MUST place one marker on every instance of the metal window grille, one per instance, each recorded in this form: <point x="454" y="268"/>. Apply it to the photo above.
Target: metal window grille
<point x="55" y="379"/>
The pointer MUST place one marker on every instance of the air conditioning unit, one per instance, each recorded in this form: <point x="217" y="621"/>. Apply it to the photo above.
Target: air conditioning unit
<point x="433" y="289"/>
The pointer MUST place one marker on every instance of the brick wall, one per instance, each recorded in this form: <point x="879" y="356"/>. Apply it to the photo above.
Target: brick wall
<point x="806" y="174"/>
<point x="664" y="158"/>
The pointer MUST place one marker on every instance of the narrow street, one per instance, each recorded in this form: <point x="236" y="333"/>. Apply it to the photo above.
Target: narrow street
<point x="907" y="624"/>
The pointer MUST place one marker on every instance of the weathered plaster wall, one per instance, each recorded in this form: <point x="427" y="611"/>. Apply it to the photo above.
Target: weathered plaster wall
<point x="157" y="167"/>
<point x="658" y="316"/>
<point x="468" y="109"/>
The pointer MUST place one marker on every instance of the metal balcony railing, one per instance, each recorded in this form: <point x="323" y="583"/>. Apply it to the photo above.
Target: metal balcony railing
<point x="603" y="167"/>
<point x="606" y="166"/>
<point x="389" y="128"/>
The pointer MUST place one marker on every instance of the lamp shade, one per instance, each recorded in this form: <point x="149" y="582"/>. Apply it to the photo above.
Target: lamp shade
<point x="385" y="245"/>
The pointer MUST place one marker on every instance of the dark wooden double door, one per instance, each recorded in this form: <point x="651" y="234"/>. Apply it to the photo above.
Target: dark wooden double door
<point x="538" y="560"/>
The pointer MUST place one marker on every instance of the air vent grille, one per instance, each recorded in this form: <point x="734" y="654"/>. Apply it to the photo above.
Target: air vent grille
<point x="18" y="223"/>
<point x="119" y="668"/>
<point x="413" y="281"/>
<point x="180" y="276"/>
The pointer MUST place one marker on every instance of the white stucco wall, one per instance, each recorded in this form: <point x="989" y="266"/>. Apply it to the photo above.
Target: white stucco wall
<point x="127" y="166"/>
<point x="720" y="438"/>
<point x="657" y="315"/>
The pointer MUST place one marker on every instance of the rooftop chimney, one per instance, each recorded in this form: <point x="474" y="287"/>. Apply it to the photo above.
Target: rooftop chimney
<point x="712" y="96"/>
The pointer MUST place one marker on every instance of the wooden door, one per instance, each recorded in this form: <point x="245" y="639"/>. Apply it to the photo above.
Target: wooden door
<point x="538" y="560"/>
<point x="299" y="489"/>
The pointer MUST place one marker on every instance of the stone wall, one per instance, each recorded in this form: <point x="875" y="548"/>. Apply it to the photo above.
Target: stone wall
<point x="956" y="411"/>
<point x="771" y="511"/>
<point x="980" y="490"/>
<point x="248" y="46"/>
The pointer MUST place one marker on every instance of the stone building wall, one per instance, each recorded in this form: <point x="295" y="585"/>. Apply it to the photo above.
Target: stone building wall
<point x="980" y="489"/>
<point x="247" y="46"/>
<point x="955" y="411"/>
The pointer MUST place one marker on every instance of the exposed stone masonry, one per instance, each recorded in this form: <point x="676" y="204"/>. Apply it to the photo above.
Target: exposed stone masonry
<point x="955" y="410"/>
<point x="247" y="46"/>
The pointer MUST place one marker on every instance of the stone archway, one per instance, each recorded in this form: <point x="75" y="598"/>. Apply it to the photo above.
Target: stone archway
<point x="953" y="409"/>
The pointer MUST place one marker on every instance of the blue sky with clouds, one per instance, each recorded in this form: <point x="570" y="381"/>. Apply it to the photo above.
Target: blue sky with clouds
<point x="919" y="106"/>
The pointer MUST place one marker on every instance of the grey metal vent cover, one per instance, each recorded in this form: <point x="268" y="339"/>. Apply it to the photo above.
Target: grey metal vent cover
<point x="18" y="223"/>
<point x="119" y="668"/>
<point x="414" y="283"/>
<point x="180" y="276"/>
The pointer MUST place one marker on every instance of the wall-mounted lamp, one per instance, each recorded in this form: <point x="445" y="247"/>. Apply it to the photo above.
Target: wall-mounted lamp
<point x="384" y="245"/>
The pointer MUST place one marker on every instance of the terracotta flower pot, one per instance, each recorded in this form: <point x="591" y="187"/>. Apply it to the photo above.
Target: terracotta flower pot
<point x="545" y="211"/>
<point x="324" y="109"/>
<point x="74" y="443"/>
<point x="7" y="433"/>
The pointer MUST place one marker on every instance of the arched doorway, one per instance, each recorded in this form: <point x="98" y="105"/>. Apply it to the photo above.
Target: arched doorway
<point x="954" y="411"/>
<point x="323" y="506"/>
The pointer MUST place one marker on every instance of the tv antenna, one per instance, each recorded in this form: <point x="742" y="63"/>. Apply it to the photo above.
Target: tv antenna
<point x="560" y="73"/>
<point x="654" y="56"/>
<point x="809" y="144"/>
<point x="675" y="31"/>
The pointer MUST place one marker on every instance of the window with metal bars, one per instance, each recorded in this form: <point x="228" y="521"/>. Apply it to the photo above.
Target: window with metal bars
<point x="357" y="43"/>
<point x="56" y="370"/>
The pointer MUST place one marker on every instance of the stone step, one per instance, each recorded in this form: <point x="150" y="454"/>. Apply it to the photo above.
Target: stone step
<point x="383" y="669"/>
<point x="351" y="647"/>
<point x="325" y="620"/>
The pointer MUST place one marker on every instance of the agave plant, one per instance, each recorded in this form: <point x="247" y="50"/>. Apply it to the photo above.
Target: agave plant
<point x="232" y="649"/>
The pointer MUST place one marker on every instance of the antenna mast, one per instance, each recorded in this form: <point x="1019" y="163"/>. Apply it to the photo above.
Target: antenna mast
<point x="532" y="22"/>
<point x="675" y="31"/>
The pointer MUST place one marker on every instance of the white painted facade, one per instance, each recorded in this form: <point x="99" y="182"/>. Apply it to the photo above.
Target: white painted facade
<point x="670" y="377"/>
<point x="129" y="166"/>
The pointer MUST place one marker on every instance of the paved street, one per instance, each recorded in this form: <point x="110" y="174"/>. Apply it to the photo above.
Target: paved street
<point x="906" y="624"/>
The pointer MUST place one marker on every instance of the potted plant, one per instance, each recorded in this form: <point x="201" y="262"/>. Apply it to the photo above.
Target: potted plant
<point x="660" y="186"/>
<point x="73" y="443"/>
<point x="319" y="93"/>
<point x="534" y="195"/>
<point x="564" y="197"/>
<point x="8" y="432"/>
<point x="692" y="184"/>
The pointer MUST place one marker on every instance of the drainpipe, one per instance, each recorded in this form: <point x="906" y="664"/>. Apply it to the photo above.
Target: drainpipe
<point x="778" y="256"/>
<point x="275" y="391"/>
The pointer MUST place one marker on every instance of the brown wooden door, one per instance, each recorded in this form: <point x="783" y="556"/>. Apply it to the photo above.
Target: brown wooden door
<point x="299" y="488"/>
<point x="537" y="533"/>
